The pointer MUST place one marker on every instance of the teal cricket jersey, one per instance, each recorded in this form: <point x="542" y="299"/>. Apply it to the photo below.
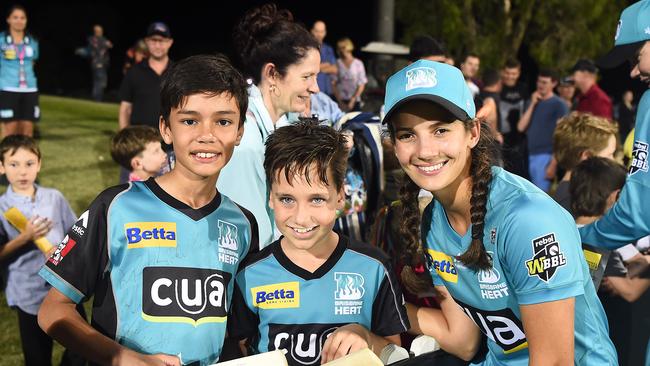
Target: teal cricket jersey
<point x="537" y="257"/>
<point x="160" y="271"/>
<point x="628" y="220"/>
<point x="278" y="305"/>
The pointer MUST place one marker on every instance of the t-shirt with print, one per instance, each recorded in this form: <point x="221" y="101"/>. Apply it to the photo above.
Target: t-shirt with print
<point x="279" y="305"/>
<point x="160" y="271"/>
<point x="537" y="257"/>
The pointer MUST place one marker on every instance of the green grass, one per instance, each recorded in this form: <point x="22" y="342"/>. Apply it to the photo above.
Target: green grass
<point x="74" y="141"/>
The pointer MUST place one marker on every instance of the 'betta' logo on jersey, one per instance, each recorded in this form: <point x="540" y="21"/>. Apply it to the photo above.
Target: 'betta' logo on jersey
<point x="302" y="344"/>
<point x="184" y="295"/>
<point x="150" y="234"/>
<point x="277" y="296"/>
<point x="547" y="258"/>
<point x="443" y="265"/>
<point x="639" y="157"/>
<point x="61" y="250"/>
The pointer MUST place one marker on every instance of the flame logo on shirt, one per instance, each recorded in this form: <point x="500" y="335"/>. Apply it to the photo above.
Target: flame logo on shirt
<point x="227" y="235"/>
<point x="349" y="286"/>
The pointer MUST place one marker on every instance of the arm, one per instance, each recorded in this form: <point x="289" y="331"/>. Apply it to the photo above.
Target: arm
<point x="449" y="325"/>
<point x="524" y="121"/>
<point x="630" y="289"/>
<point x="125" y="114"/>
<point x="35" y="228"/>
<point x="328" y="68"/>
<point x="538" y="319"/>
<point x="353" y="337"/>
<point x="60" y="320"/>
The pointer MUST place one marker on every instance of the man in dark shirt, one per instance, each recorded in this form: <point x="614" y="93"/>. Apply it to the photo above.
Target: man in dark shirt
<point x="512" y="105"/>
<point x="489" y="97"/>
<point x="592" y="98"/>
<point x="98" y="46"/>
<point x="140" y="90"/>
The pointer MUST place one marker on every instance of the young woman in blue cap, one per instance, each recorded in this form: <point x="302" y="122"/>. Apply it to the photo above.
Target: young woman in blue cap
<point x="504" y="258"/>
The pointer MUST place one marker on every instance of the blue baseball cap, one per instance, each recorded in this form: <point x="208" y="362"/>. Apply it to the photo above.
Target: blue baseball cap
<point x="632" y="32"/>
<point x="159" y="29"/>
<point x="434" y="81"/>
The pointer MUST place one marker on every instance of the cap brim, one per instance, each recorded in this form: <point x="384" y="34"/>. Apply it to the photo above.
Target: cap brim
<point x="456" y="111"/>
<point x="619" y="54"/>
<point x="162" y="34"/>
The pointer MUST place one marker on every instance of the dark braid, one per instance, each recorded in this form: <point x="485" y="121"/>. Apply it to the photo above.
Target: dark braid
<point x="484" y="155"/>
<point x="412" y="250"/>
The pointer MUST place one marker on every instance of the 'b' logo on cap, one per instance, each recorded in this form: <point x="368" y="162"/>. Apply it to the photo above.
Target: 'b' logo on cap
<point x="421" y="77"/>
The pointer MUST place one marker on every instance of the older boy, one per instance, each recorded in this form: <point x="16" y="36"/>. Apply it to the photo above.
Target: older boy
<point x="313" y="293"/>
<point x="159" y="256"/>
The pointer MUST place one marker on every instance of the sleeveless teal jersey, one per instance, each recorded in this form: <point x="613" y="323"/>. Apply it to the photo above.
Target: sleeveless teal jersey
<point x="537" y="257"/>
<point x="161" y="273"/>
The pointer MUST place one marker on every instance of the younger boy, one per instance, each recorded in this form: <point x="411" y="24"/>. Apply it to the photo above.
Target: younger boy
<point x="313" y="293"/>
<point x="49" y="216"/>
<point x="138" y="150"/>
<point x="159" y="256"/>
<point x="577" y="137"/>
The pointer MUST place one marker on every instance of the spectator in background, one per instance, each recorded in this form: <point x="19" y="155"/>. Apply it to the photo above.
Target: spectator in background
<point x="283" y="59"/>
<point x="592" y="98"/>
<point x="140" y="90"/>
<point x="624" y="114"/>
<point x="351" y="78"/>
<point x="489" y="98"/>
<point x="470" y="67"/>
<point x="328" y="68"/>
<point x="577" y="137"/>
<point x="512" y="105"/>
<point x="49" y="216"/>
<point x="427" y="48"/>
<point x="98" y="47"/>
<point x="19" y="107"/>
<point x="135" y="54"/>
<point x="538" y="122"/>
<point x="567" y="90"/>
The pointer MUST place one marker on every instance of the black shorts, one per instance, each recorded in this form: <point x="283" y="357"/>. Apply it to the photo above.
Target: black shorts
<point x="16" y="106"/>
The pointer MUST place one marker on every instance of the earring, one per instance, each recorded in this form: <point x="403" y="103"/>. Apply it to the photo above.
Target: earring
<point x="273" y="89"/>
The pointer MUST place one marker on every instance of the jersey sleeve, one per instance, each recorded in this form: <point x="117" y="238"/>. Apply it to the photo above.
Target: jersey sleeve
<point x="243" y="322"/>
<point x="79" y="262"/>
<point x="388" y="310"/>
<point x="541" y="251"/>
<point x="254" y="242"/>
<point x="628" y="220"/>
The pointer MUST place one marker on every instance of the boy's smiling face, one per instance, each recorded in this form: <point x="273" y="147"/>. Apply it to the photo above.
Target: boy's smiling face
<point x="204" y="130"/>
<point x="305" y="212"/>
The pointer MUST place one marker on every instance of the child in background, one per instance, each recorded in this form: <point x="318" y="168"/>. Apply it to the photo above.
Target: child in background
<point x="314" y="293"/>
<point x="49" y="216"/>
<point x="138" y="150"/>
<point x="595" y="186"/>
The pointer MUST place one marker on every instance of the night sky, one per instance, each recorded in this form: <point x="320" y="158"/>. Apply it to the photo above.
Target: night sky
<point x="197" y="27"/>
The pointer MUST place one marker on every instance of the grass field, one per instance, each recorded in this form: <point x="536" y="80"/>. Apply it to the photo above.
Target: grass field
<point x="74" y="140"/>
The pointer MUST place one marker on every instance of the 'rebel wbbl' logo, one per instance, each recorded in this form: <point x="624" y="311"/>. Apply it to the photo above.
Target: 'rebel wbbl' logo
<point x="184" y="295"/>
<point x="547" y="258"/>
<point x="639" y="158"/>
<point x="301" y="343"/>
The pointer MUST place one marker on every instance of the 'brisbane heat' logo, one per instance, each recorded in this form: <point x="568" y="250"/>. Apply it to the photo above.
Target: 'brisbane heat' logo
<point x="184" y="295"/>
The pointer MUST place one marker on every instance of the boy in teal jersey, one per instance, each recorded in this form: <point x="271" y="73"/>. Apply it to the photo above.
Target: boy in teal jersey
<point x="159" y="256"/>
<point x="504" y="257"/>
<point x="313" y="293"/>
